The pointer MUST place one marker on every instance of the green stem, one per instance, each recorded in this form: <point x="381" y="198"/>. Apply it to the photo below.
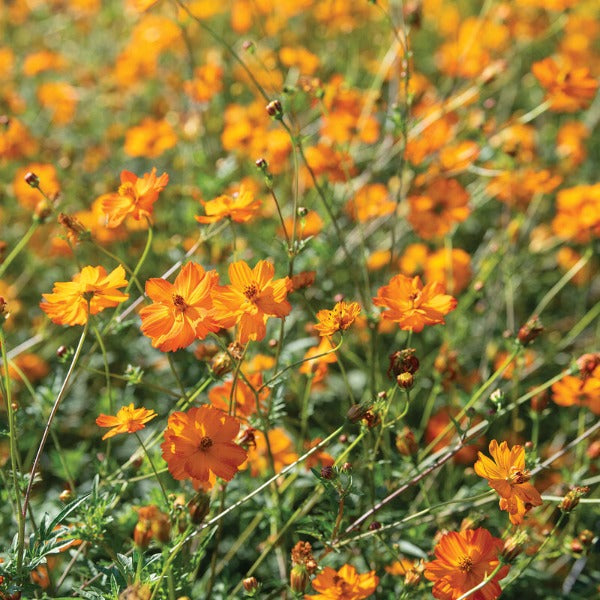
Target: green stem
<point x="46" y="432"/>
<point x="21" y="514"/>
<point x="20" y="245"/>
<point x="483" y="583"/>
<point x="162" y="487"/>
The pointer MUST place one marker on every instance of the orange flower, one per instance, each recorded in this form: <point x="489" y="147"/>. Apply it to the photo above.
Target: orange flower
<point x="577" y="391"/>
<point x="60" y="99"/>
<point x="413" y="305"/>
<point x="463" y="560"/>
<point x="244" y="398"/>
<point x="44" y="60"/>
<point x="371" y="201"/>
<point x="240" y="207"/>
<point x="569" y="89"/>
<point x="509" y="477"/>
<point x="251" y="299"/>
<point x="517" y="187"/>
<point x="308" y="225"/>
<point x="570" y="143"/>
<point x="199" y="445"/>
<point x="345" y="584"/>
<point x="150" y="138"/>
<point x="29" y="197"/>
<point x="281" y="449"/>
<point x="182" y="311"/>
<point x="68" y="302"/>
<point x="135" y="197"/>
<point x="442" y="204"/>
<point x="578" y="213"/>
<point x="320" y="457"/>
<point x="317" y="367"/>
<point x="338" y="319"/>
<point x="207" y="82"/>
<point x="451" y="268"/>
<point x="127" y="420"/>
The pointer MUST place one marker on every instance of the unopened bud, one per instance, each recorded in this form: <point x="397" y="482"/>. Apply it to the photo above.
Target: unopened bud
<point x="274" y="109"/>
<point x="248" y="45"/>
<point x="299" y="578"/>
<point x="221" y="364"/>
<point x="262" y="164"/>
<point x="328" y="473"/>
<point x="405" y="380"/>
<point x="513" y="546"/>
<point x="65" y="496"/>
<point x="356" y="413"/>
<point x="530" y="331"/>
<point x="302" y="211"/>
<point x="403" y="361"/>
<point x="32" y="179"/>
<point x="374" y="526"/>
<point x="571" y="500"/>
<point x="250" y="584"/>
<point x="199" y="507"/>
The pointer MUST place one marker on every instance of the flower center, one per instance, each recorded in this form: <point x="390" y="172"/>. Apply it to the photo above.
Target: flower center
<point x="465" y="564"/>
<point x="179" y="302"/>
<point x="205" y="443"/>
<point x="251" y="291"/>
<point x="517" y="476"/>
<point x="127" y="190"/>
<point x="414" y="298"/>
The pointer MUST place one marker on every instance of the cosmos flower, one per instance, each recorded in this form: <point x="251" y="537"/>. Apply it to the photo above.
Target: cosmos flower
<point x="413" y="305"/>
<point x="463" y="560"/>
<point x="251" y="299"/>
<point x="507" y="474"/>
<point x="338" y="319"/>
<point x="345" y="584"/>
<point x="182" y="311"/>
<point x="127" y="420"/>
<point x="135" y="197"/>
<point x="91" y="288"/>
<point x="199" y="445"/>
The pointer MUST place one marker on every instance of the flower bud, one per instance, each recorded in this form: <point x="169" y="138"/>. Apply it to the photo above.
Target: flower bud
<point x="530" y="331"/>
<point x="32" y="179"/>
<point x="262" y="164"/>
<point x="405" y="380"/>
<point x="65" y="496"/>
<point x="513" y="546"/>
<point x="374" y="526"/>
<point x="403" y="361"/>
<point x="571" y="500"/>
<point x="274" y="109"/>
<point x="328" y="473"/>
<point x="250" y="584"/>
<point x="299" y="578"/>
<point x="221" y="364"/>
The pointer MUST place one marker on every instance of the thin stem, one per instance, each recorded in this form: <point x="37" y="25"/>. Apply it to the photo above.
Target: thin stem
<point x="162" y="487"/>
<point x="53" y="412"/>
<point x="21" y="514"/>
<point x="20" y="245"/>
<point x="483" y="583"/>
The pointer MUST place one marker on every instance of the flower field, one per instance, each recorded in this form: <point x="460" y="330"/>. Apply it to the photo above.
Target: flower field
<point x="299" y="299"/>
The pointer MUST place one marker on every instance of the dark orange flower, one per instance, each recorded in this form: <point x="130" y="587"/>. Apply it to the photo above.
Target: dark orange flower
<point x="413" y="305"/>
<point x="345" y="584"/>
<point x="152" y="523"/>
<point x="320" y="457"/>
<point x="438" y="208"/>
<point x="182" y="311"/>
<point x="240" y="207"/>
<point x="568" y="88"/>
<point x="151" y="137"/>
<point x="281" y="448"/>
<point x="578" y="213"/>
<point x="338" y="319"/>
<point x="207" y="82"/>
<point x="199" y="445"/>
<point x="452" y="268"/>
<point x="371" y="201"/>
<point x="127" y="420"/>
<point x="507" y="474"/>
<point x="135" y="197"/>
<point x="317" y="367"/>
<point x="251" y="299"/>
<point x="244" y="399"/>
<point x="578" y="391"/>
<point x="463" y="560"/>
<point x="517" y="187"/>
<point x="68" y="302"/>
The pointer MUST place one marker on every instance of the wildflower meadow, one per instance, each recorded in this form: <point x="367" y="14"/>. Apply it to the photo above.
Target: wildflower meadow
<point x="299" y="299"/>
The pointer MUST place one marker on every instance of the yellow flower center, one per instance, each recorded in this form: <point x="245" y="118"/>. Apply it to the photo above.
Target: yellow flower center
<point x="251" y="291"/>
<point x="205" y="443"/>
<point x="179" y="302"/>
<point x="465" y="564"/>
<point x="127" y="190"/>
<point x="414" y="298"/>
